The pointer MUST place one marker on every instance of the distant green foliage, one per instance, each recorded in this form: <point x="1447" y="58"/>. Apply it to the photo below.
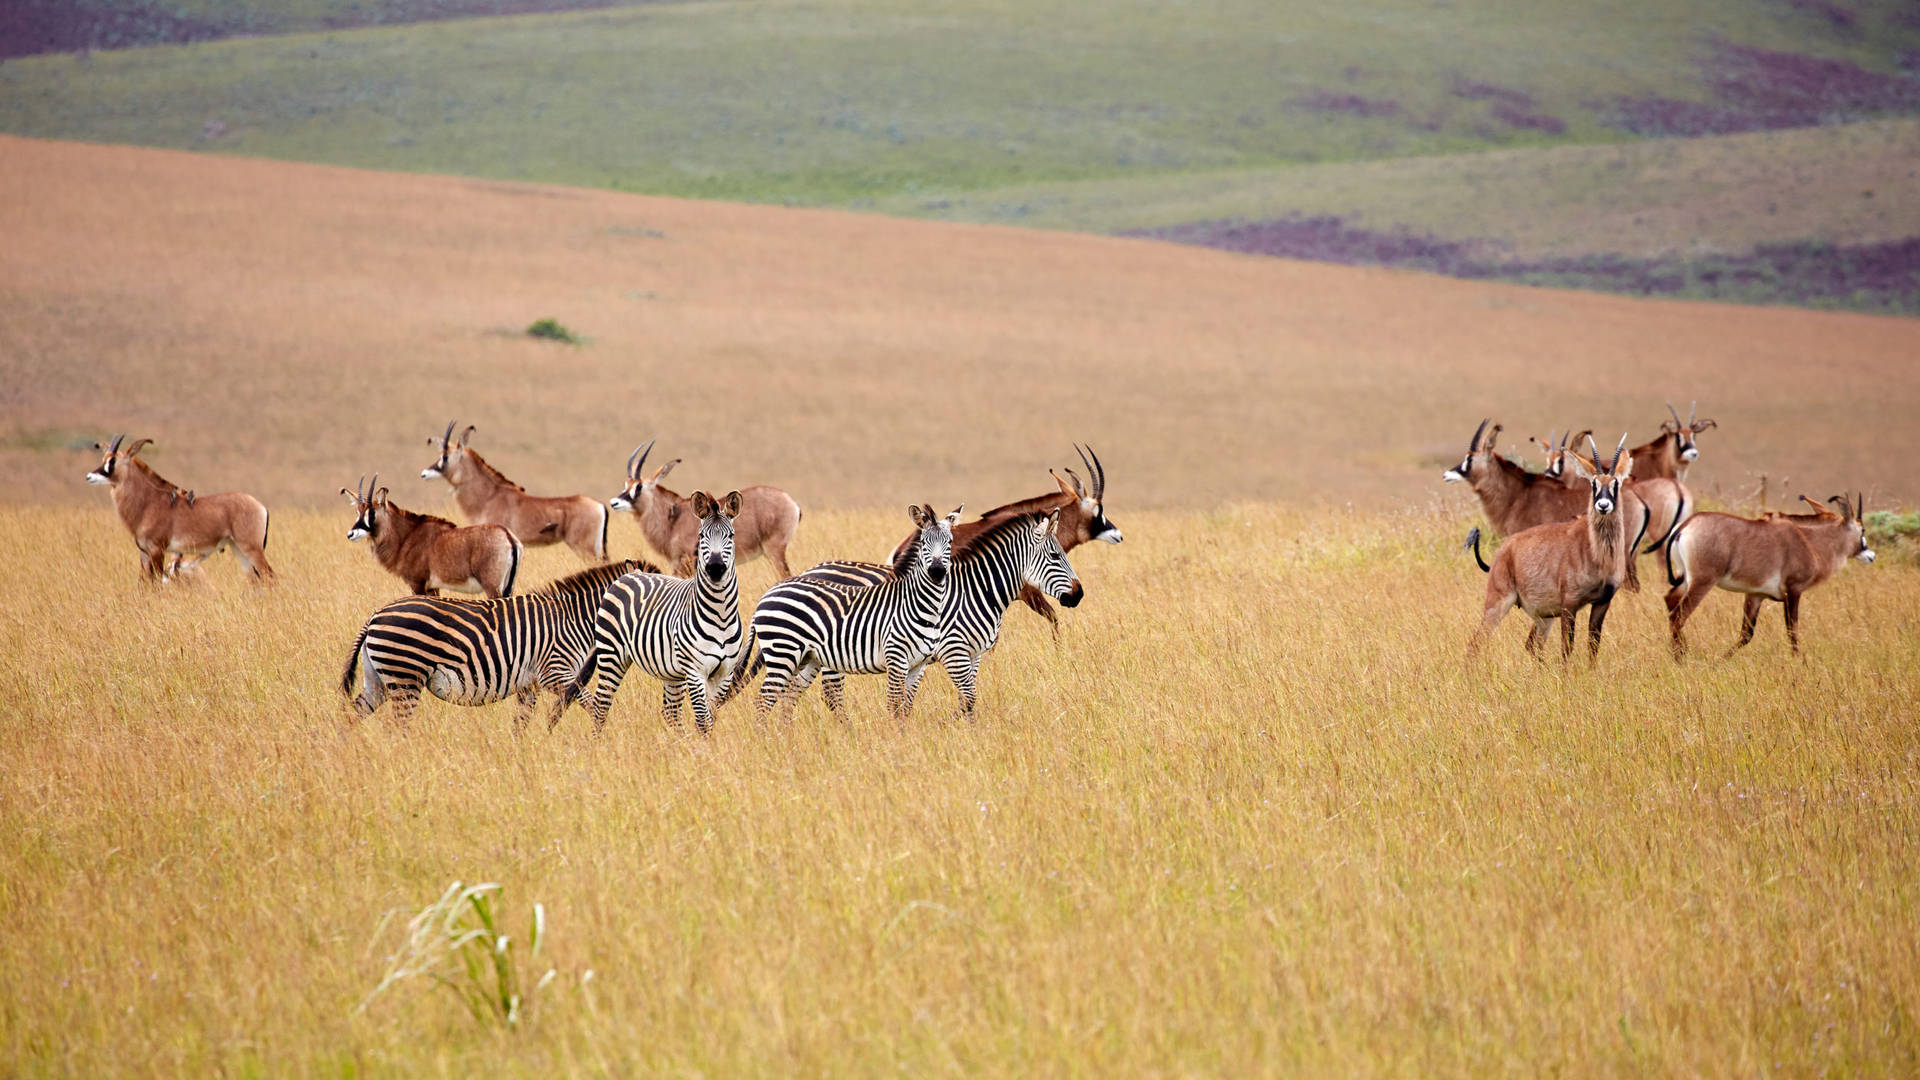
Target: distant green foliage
<point x="551" y="330"/>
<point x="1891" y="528"/>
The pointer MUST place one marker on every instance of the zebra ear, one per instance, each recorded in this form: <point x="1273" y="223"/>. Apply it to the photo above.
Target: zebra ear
<point x="919" y="516"/>
<point x="732" y="503"/>
<point x="702" y="504"/>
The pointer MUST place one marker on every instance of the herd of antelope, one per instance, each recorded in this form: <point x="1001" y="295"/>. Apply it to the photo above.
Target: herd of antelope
<point x="1574" y="542"/>
<point x="939" y="598"/>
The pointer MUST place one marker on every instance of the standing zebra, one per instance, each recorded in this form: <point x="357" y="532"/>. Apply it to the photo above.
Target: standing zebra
<point x="990" y="570"/>
<point x="805" y="625"/>
<point x="476" y="652"/>
<point x="684" y="631"/>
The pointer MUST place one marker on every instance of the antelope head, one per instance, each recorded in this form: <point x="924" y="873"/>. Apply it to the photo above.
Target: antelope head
<point x="1605" y="483"/>
<point x="1556" y="466"/>
<point x="449" y="452"/>
<point x="1684" y="433"/>
<point x="368" y="501"/>
<point x="638" y="489"/>
<point x="715" y="553"/>
<point x="1479" y="454"/>
<point x="1855" y="517"/>
<point x="935" y="550"/>
<point x="108" y="471"/>
<point x="1093" y="503"/>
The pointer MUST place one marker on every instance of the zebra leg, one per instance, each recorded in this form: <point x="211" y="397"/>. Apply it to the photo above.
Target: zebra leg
<point x="672" y="694"/>
<point x="902" y="685"/>
<point x="773" y="685"/>
<point x="964" y="669"/>
<point x="405" y="700"/>
<point x="702" y="716"/>
<point x="524" y="700"/>
<point x="606" y="683"/>
<point x="833" y="687"/>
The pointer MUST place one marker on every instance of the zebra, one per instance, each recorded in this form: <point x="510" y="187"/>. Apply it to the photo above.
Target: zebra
<point x="476" y="652"/>
<point x="990" y="570"/>
<point x="685" y="631"/>
<point x="804" y="625"/>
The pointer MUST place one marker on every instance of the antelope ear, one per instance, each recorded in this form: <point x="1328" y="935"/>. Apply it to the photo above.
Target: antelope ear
<point x="1668" y="427"/>
<point x="138" y="444"/>
<point x="732" y="503"/>
<point x="1626" y="468"/>
<point x="465" y="435"/>
<point x="954" y="518"/>
<point x="1065" y="488"/>
<point x="703" y="504"/>
<point x="102" y="448"/>
<point x="918" y="515"/>
<point x="351" y="495"/>
<point x="1493" y="433"/>
<point x="1702" y="425"/>
<point x="433" y="440"/>
<point x="1580" y="466"/>
<point x="380" y="496"/>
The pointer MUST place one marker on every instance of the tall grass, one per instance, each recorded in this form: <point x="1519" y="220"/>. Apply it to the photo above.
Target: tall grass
<point x="1253" y="812"/>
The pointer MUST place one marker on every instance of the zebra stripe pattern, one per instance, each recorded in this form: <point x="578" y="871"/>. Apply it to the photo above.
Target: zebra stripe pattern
<point x="988" y="573"/>
<point x="804" y="626"/>
<point x="684" y="631"/>
<point x="476" y="652"/>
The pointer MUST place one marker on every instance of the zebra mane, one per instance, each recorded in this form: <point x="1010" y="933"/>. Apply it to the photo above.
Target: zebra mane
<point x="999" y="526"/>
<point x="903" y="559"/>
<point x="594" y="578"/>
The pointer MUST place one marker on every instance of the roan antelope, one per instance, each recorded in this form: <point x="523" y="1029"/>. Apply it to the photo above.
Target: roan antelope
<point x="487" y="497"/>
<point x="431" y="553"/>
<point x="1674" y="451"/>
<point x="768" y="518"/>
<point x="1773" y="558"/>
<point x="1516" y="500"/>
<point x="1083" y="518"/>
<point x="1667" y="500"/>
<point x="1552" y="571"/>
<point x="165" y="520"/>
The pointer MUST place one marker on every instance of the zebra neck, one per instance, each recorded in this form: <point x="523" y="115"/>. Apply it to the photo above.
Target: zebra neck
<point x="720" y="599"/>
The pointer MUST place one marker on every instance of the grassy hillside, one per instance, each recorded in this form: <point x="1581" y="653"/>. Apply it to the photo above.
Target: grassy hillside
<point x="832" y="101"/>
<point x="283" y="328"/>
<point x="1253" y="814"/>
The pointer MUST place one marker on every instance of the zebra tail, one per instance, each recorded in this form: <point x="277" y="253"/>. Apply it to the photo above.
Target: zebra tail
<point x="578" y="685"/>
<point x="353" y="661"/>
<point x="749" y="667"/>
<point x="1473" y="542"/>
<point x="1679" y="515"/>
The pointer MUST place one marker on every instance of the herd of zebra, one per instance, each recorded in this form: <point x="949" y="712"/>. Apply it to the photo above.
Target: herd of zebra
<point x="1573" y="542"/>
<point x="940" y="598"/>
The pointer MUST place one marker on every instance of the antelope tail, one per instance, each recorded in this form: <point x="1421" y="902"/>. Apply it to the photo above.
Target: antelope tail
<point x="1676" y="572"/>
<point x="1473" y="542"/>
<point x="1679" y="515"/>
<point x="353" y="662"/>
<point x="513" y="565"/>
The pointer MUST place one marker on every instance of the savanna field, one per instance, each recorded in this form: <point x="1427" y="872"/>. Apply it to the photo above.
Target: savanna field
<point x="1251" y="812"/>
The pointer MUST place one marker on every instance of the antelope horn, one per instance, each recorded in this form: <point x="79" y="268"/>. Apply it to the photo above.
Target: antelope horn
<point x="1594" y="451"/>
<point x="1093" y="471"/>
<point x="1676" y="415"/>
<point x="1691" y="408"/>
<point x="372" y="486"/>
<point x="114" y="447"/>
<point x="1474" y="443"/>
<point x="1617" y="451"/>
<point x="448" y="437"/>
<point x="360" y="489"/>
<point x="638" y="459"/>
<point x="1860" y="507"/>
<point x="1100" y="482"/>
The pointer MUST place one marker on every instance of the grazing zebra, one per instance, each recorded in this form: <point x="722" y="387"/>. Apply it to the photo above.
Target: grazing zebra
<point x="990" y="569"/>
<point x="804" y="626"/>
<point x="476" y="652"/>
<point x="684" y="631"/>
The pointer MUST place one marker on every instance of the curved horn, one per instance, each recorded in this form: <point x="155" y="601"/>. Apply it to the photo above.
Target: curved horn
<point x="448" y="436"/>
<point x="1676" y="416"/>
<point x="1099" y="482"/>
<point x="1093" y="473"/>
<point x="372" y="486"/>
<point x="1473" y="445"/>
<point x="135" y="448"/>
<point x="1594" y="452"/>
<point x="114" y="446"/>
<point x="1691" y="409"/>
<point x="1617" y="451"/>
<point x="360" y="489"/>
<point x="638" y="459"/>
<point x="1860" y="507"/>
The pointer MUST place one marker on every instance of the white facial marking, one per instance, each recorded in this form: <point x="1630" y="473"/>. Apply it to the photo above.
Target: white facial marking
<point x="94" y="477"/>
<point x="1112" y="536"/>
<point x="1452" y="476"/>
<point x="1866" y="555"/>
<point x="620" y="502"/>
<point x="356" y="534"/>
<point x="1689" y="453"/>
<point x="429" y="473"/>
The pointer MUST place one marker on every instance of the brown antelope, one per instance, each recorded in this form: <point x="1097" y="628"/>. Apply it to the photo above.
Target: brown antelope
<point x="768" y="518"/>
<point x="1773" y="558"/>
<point x="165" y="520"/>
<point x="487" y="497"/>
<point x="431" y="553"/>
<point x="1083" y="518"/>
<point x="1674" y="451"/>
<point x="1667" y="500"/>
<point x="1552" y="571"/>
<point x="1516" y="500"/>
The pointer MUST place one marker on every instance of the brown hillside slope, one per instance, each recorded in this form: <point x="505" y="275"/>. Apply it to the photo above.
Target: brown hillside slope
<point x="283" y="328"/>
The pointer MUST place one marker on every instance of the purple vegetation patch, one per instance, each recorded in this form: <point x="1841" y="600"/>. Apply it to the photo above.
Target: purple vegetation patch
<point x="1754" y="89"/>
<point x="1863" y="277"/>
<point x="1836" y="16"/>
<point x="1514" y="116"/>
<point x="1474" y="90"/>
<point x="1346" y="104"/>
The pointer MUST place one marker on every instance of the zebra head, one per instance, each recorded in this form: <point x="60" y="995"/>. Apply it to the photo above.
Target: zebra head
<point x="715" y="554"/>
<point x="368" y="501"/>
<point x="1047" y="568"/>
<point x="934" y="553"/>
<point x="450" y="452"/>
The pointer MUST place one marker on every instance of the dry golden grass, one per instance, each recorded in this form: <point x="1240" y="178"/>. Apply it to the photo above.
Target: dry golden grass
<point x="1252" y="814"/>
<point x="283" y="328"/>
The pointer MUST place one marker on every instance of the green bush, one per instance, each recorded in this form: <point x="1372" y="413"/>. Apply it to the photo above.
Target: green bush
<point x="551" y="330"/>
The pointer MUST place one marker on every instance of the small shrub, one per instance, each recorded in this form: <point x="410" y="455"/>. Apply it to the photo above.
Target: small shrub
<point x="1892" y="528"/>
<point x="459" y="942"/>
<point x="551" y="330"/>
